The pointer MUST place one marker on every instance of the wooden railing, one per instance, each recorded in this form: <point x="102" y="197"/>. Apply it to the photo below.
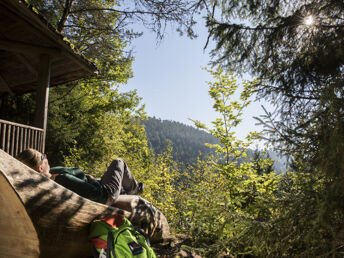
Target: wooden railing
<point x="15" y="137"/>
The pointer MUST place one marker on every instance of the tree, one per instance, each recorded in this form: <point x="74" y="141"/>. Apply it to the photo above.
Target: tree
<point x="296" y="50"/>
<point x="89" y="127"/>
<point x="230" y="111"/>
<point x="262" y="163"/>
<point x="228" y="200"/>
<point x="275" y="42"/>
<point x="73" y="16"/>
<point x="299" y="64"/>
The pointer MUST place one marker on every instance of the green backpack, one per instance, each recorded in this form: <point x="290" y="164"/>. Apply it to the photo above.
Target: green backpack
<point x="114" y="236"/>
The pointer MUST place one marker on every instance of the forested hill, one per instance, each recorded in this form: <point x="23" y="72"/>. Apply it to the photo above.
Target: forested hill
<point x="187" y="141"/>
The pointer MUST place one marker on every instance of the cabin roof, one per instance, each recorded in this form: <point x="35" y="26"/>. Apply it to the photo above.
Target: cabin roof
<point x="24" y="36"/>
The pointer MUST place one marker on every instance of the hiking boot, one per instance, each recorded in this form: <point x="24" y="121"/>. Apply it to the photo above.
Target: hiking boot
<point x="140" y="188"/>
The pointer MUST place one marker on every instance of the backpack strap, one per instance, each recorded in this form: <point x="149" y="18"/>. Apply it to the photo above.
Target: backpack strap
<point x="142" y="232"/>
<point x="109" y="248"/>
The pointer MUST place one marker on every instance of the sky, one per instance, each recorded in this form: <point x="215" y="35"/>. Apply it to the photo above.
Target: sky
<point x="171" y="82"/>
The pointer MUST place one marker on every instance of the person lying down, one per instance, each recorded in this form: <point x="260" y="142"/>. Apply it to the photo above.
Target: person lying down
<point x="115" y="180"/>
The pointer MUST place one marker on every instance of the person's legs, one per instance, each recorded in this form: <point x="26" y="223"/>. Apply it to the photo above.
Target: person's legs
<point x="118" y="176"/>
<point x="126" y="202"/>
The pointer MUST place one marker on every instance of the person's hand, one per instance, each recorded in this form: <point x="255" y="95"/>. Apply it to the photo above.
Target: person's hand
<point x="90" y="178"/>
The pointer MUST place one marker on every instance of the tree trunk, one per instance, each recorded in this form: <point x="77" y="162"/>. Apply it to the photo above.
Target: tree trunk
<point x="60" y="217"/>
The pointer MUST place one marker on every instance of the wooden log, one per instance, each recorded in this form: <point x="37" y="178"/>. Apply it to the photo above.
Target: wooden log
<point x="61" y="217"/>
<point x="18" y="236"/>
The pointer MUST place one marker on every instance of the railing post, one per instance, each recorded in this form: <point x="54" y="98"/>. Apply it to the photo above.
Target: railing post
<point x="3" y="140"/>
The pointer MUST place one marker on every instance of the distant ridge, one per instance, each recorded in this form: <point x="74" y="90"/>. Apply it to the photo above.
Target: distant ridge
<point x="187" y="141"/>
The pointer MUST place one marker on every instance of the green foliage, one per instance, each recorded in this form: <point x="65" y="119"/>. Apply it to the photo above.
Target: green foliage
<point x="161" y="177"/>
<point x="88" y="128"/>
<point x="90" y="121"/>
<point x="271" y="39"/>
<point x="222" y="203"/>
<point x="18" y="109"/>
<point x="300" y="68"/>
<point x="301" y="225"/>
<point x="299" y="65"/>
<point x="88" y="14"/>
<point x="93" y="34"/>
<point x="230" y="111"/>
<point x="231" y="205"/>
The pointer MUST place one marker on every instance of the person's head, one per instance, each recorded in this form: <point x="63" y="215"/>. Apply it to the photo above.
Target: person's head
<point x="35" y="160"/>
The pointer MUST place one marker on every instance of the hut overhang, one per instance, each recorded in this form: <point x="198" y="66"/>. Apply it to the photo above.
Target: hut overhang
<point x="26" y="36"/>
<point x="34" y="56"/>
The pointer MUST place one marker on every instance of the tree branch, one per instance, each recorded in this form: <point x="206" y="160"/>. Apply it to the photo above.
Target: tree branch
<point x="121" y="11"/>
<point x="65" y="14"/>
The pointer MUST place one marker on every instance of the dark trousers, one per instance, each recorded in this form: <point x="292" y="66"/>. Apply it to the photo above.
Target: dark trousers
<point x="116" y="177"/>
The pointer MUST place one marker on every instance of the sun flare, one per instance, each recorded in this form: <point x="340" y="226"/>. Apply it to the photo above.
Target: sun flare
<point x="309" y="20"/>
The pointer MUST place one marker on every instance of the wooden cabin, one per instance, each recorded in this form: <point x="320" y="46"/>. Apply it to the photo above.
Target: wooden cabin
<point x="33" y="57"/>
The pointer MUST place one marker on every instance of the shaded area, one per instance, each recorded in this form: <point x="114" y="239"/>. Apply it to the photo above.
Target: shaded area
<point x="178" y="246"/>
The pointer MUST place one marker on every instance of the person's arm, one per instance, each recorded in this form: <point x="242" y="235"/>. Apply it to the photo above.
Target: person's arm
<point x="93" y="191"/>
<point x="77" y="172"/>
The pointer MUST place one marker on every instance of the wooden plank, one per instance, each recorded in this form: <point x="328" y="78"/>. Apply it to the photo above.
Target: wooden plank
<point x="27" y="64"/>
<point x="21" y="140"/>
<point x="13" y="137"/>
<point x="3" y="136"/>
<point x="39" y="142"/>
<point x="28" y="137"/>
<point x="35" y="140"/>
<point x="32" y="138"/>
<point x="24" y="138"/>
<point x="43" y="142"/>
<point x="8" y="139"/>
<point x="28" y="48"/>
<point x="17" y="141"/>
<point x="20" y="125"/>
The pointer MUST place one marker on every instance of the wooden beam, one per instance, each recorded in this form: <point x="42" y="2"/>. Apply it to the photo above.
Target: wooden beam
<point x="5" y="85"/>
<point x="27" y="63"/>
<point x="28" y="48"/>
<point x="83" y="63"/>
<point x="42" y="97"/>
<point x="31" y="21"/>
